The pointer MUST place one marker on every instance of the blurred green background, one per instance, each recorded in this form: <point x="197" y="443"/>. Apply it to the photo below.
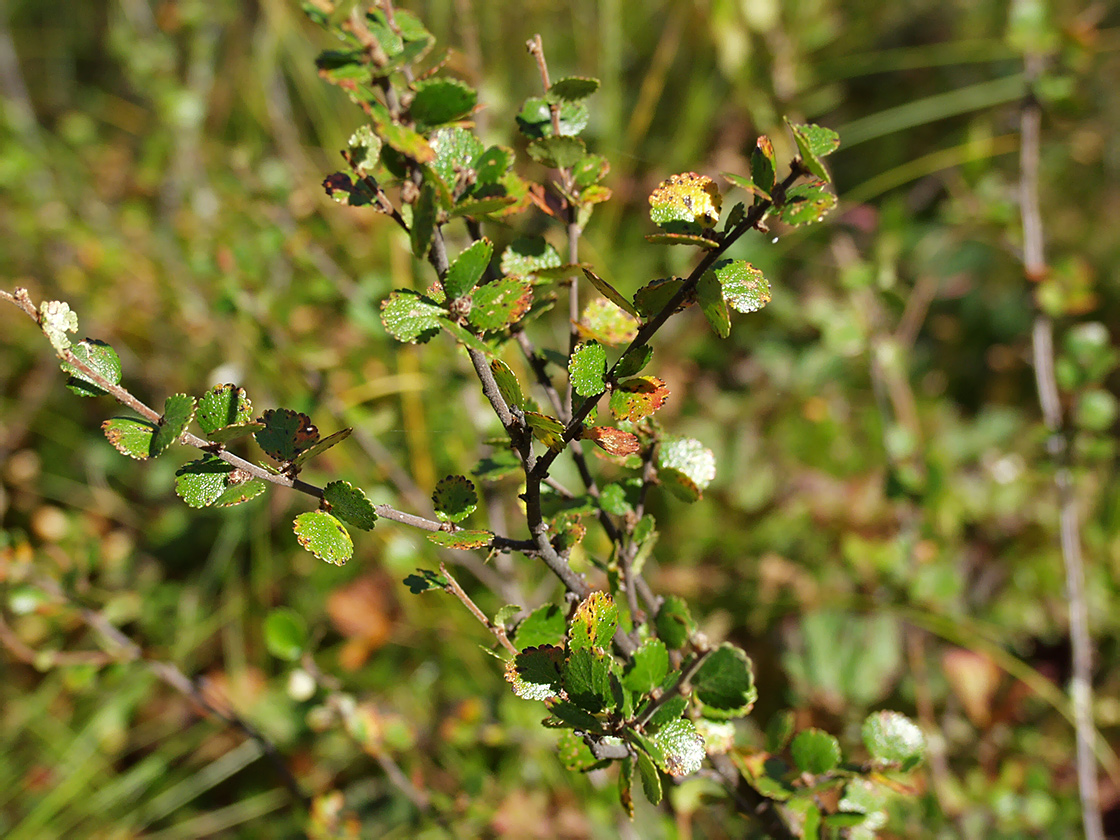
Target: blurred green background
<point x="882" y="531"/>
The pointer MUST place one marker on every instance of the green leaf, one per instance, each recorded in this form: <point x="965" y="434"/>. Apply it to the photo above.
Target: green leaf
<point x="535" y="119"/>
<point x="709" y="296"/>
<point x="548" y="430"/>
<point x="586" y="369"/>
<point x="411" y="317"/>
<point x="286" y="434"/>
<point x="814" y="142"/>
<point x="590" y="171"/>
<point x="674" y="622"/>
<point x="101" y="359"/>
<point x="815" y="752"/>
<point x="806" y="203"/>
<point x="508" y="386"/>
<point x="567" y="714"/>
<point x="543" y="626"/>
<point x="527" y="255"/>
<point x="610" y="292"/>
<point x="497" y="465"/>
<point x="240" y="488"/>
<point x="607" y="323"/>
<point x="130" y="436"/>
<point x="681" y="748"/>
<point x="744" y="286"/>
<point x="463" y="540"/>
<point x="441" y="100"/>
<point x="647" y="668"/>
<point x="682" y="239"/>
<point x="737" y="214"/>
<point x="55" y="320"/>
<point x="744" y="184"/>
<point x="492" y="165"/>
<point x="571" y="89"/>
<point x="223" y="406"/>
<point x="426" y="581"/>
<point x="364" y="148"/>
<point x="685" y="203"/>
<point x="633" y="361"/>
<point x="349" y="503"/>
<point x="651" y="779"/>
<point x="655" y="296"/>
<point x="892" y="738"/>
<point x="285" y="634"/>
<point x="763" y="165"/>
<point x="201" y="482"/>
<point x="324" y="536"/>
<point x="807" y="816"/>
<point x="467" y="338"/>
<point x="234" y="432"/>
<point x="685" y="466"/>
<point x="455" y="151"/>
<point x="505" y="615"/>
<point x="667" y="712"/>
<point x="587" y="679"/>
<point x="575" y="755"/>
<point x="468" y="269"/>
<point x="423" y="221"/>
<point x="402" y="139"/>
<point x="724" y="683"/>
<point x="535" y="672"/>
<point x="178" y="411"/>
<point x="557" y="152"/>
<point x="1096" y="410"/>
<point x="498" y="304"/>
<point x="594" y="622"/>
<point x="639" y="397"/>
<point x="779" y="730"/>
<point x="321" y="446"/>
<point x="454" y="498"/>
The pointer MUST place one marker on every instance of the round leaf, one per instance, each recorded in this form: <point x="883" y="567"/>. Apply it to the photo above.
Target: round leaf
<point x="501" y="303"/>
<point x="411" y="317"/>
<point x="543" y="626"/>
<point x="815" y="752"/>
<point x="637" y="398"/>
<point x="440" y="100"/>
<point x="744" y="286"/>
<point x="681" y="747"/>
<point x="223" y="406"/>
<point x="571" y="89"/>
<point x="586" y="369"/>
<point x="324" y="536"/>
<point x="201" y="482"/>
<point x="101" y="359"/>
<point x="893" y="738"/>
<point x="724" y="683"/>
<point x="178" y="411"/>
<point x="527" y="255"/>
<point x="350" y="503"/>
<point x="685" y="203"/>
<point x="130" y="436"/>
<point x="286" y="433"/>
<point x="454" y="498"/>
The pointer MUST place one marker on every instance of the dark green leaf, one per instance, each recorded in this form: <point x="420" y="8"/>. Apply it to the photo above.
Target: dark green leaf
<point x="324" y="536"/>
<point x="590" y="171"/>
<point x="321" y="446"/>
<point x="178" y="411"/>
<point x="587" y="679"/>
<point x="609" y="292"/>
<point x="286" y="434"/>
<point x="223" y="406"/>
<point x="543" y="626"/>
<point x="499" y="464"/>
<point x="763" y="165"/>
<point x="667" y="712"/>
<point x="724" y="683"/>
<point x="423" y="221"/>
<point x="651" y="779"/>
<point x="535" y="119"/>
<point x="709" y="296"/>
<point x="350" y="504"/>
<point x="491" y="166"/>
<point x="625" y="786"/>
<point x="633" y="361"/>
<point x="655" y="296"/>
<point x="468" y="269"/>
<point x="441" y="100"/>
<point x="806" y="203"/>
<point x="779" y="730"/>
<point x="571" y="89"/>
<point x="568" y="714"/>
<point x="674" y="622"/>
<point x="98" y="357"/>
<point x="454" y="498"/>
<point x="647" y="668"/>
<point x="535" y="672"/>
<point x="426" y="581"/>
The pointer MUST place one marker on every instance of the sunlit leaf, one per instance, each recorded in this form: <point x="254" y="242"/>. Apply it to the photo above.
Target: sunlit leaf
<point x="56" y="319"/>
<point x="807" y="203"/>
<point x="364" y="148"/>
<point x="535" y="119"/>
<point x="744" y="286"/>
<point x="685" y="466"/>
<point x="763" y="165"/>
<point x="572" y="88"/>
<point x="286" y="433"/>
<point x="223" y="406"/>
<point x="655" y="296"/>
<point x="498" y="304"/>
<point x="508" y="386"/>
<point x="815" y="751"/>
<point x="647" y="668"/>
<point x="685" y="203"/>
<point x="454" y="152"/>
<point x="130" y="436"/>
<point x="681" y="749"/>
<point x="462" y="540"/>
<point x="178" y="412"/>
<point x="586" y="369"/>
<point x="609" y="292"/>
<point x="454" y="498"/>
<point x="709" y="296"/>
<point x="745" y="184"/>
<point x="893" y="738"/>
<point x="639" y="397"/>
<point x="612" y="440"/>
<point x="607" y="323"/>
<point x="349" y="503"/>
<point x="527" y="255"/>
<point x="814" y="142"/>
<point x="411" y="317"/>
<point x="547" y="430"/>
<point x="535" y="672"/>
<point x="324" y="536"/>
<point x="586" y="678"/>
<point x="468" y="268"/>
<point x="594" y="622"/>
<point x="490" y="166"/>
<point x="321" y="446"/>
<point x="98" y="357"/>
<point x="651" y="779"/>
<point x="545" y="625"/>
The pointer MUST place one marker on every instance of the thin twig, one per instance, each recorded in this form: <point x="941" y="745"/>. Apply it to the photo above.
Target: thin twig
<point x="455" y="589"/>
<point x="1034" y="264"/>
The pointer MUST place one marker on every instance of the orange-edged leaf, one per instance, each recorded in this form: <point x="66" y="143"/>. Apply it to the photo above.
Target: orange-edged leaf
<point x="744" y="286"/>
<point x="130" y="436"/>
<point x="547" y="430"/>
<point x="612" y="440"/>
<point x="462" y="540"/>
<point x="324" y="536"/>
<point x="637" y="398"/>
<point x="682" y="239"/>
<point x="497" y="305"/>
<point x="685" y="203"/>
<point x="286" y="434"/>
<point x="607" y="323"/>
